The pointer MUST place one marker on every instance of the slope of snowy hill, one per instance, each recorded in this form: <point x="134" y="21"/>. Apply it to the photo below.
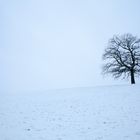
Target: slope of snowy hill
<point x="99" y="113"/>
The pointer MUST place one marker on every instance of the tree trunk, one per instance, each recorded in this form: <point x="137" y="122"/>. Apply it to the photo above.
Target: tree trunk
<point x="132" y="77"/>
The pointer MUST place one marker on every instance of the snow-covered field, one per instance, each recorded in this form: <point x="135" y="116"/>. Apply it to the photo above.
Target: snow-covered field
<point x="99" y="113"/>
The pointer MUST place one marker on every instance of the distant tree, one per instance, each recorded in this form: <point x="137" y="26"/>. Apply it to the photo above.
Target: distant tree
<point x="122" y="57"/>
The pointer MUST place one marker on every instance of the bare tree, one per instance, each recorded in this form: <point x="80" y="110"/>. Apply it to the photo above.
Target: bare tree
<point x="122" y="57"/>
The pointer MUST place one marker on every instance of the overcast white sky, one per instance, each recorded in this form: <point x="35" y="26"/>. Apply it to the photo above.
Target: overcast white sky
<point x="49" y="44"/>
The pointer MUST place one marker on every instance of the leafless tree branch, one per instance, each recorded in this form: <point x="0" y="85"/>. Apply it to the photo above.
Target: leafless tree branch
<point x="123" y="57"/>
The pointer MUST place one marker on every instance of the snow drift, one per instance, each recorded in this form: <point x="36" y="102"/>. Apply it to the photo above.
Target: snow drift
<point x="99" y="113"/>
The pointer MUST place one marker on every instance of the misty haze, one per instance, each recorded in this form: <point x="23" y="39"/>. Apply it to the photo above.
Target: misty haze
<point x="69" y="69"/>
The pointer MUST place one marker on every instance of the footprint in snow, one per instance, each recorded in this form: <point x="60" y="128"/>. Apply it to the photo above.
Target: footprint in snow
<point x="28" y="129"/>
<point x="138" y="133"/>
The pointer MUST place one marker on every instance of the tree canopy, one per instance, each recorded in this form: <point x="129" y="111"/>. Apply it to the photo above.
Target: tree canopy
<point x="122" y="57"/>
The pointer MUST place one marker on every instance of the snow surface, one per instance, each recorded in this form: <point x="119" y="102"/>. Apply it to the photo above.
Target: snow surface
<point x="99" y="113"/>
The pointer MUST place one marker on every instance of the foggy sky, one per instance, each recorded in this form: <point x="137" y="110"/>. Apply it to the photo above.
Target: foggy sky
<point x="50" y="44"/>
